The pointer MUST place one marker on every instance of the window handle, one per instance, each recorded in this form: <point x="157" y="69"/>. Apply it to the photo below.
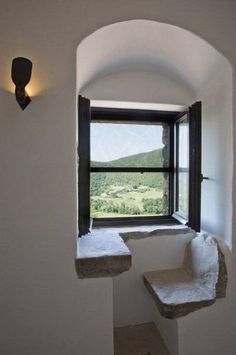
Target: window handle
<point x="204" y="178"/>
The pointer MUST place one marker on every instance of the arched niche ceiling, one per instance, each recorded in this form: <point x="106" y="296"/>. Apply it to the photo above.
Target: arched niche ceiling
<point x="147" y="46"/>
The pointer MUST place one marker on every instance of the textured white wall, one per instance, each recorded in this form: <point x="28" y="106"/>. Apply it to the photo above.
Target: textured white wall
<point x="45" y="309"/>
<point x="145" y="44"/>
<point x="211" y="329"/>
<point x="217" y="153"/>
<point x="132" y="302"/>
<point x="140" y="86"/>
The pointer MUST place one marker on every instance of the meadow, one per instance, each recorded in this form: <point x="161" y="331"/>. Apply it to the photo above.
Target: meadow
<point x="118" y="199"/>
<point x="129" y="194"/>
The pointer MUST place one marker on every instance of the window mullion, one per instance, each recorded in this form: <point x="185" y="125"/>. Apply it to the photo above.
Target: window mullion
<point x="131" y="170"/>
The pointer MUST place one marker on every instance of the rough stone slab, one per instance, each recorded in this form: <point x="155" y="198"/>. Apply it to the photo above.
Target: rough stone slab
<point x="221" y="284"/>
<point x="102" y="255"/>
<point x="101" y="243"/>
<point x="103" y="252"/>
<point x="175" y="293"/>
<point x="174" y="231"/>
<point x="102" y="266"/>
<point x="197" y="283"/>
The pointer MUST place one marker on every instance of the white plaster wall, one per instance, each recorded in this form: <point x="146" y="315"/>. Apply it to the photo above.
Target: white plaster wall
<point x="211" y="330"/>
<point x="147" y="44"/>
<point x="169" y="332"/>
<point x="44" y="308"/>
<point x="140" y="86"/>
<point x="208" y="331"/>
<point x="132" y="302"/>
<point x="217" y="153"/>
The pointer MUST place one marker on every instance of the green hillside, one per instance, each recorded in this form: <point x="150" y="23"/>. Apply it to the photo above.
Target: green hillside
<point x="101" y="181"/>
<point x="144" y="160"/>
<point x="129" y="194"/>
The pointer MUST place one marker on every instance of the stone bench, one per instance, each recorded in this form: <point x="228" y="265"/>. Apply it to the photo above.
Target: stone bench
<point x="200" y="280"/>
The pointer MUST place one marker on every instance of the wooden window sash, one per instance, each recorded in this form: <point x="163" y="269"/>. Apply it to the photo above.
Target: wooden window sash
<point x="84" y="116"/>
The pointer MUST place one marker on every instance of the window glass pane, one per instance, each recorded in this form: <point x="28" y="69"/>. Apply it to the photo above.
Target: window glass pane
<point x="184" y="144"/>
<point x="183" y="167"/>
<point x="183" y="193"/>
<point x="129" y="194"/>
<point x="129" y="145"/>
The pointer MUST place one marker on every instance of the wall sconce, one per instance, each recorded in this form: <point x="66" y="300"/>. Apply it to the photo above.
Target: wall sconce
<point x="21" y="74"/>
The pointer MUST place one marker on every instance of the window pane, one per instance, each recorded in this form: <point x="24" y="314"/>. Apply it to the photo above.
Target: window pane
<point x="183" y="193"/>
<point x="129" y="194"/>
<point x="129" y="145"/>
<point x="184" y="144"/>
<point x="183" y="167"/>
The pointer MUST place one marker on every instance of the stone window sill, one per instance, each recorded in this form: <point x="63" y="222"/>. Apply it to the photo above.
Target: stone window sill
<point x="103" y="252"/>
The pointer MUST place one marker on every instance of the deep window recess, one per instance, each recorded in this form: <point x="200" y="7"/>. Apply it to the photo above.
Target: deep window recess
<point x="134" y="166"/>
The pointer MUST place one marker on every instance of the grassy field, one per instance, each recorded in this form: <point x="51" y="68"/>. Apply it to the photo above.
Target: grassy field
<point x="130" y="199"/>
<point x="127" y="194"/>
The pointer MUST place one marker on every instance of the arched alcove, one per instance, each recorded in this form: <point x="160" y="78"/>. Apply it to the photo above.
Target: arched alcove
<point x="146" y="46"/>
<point x="152" y="62"/>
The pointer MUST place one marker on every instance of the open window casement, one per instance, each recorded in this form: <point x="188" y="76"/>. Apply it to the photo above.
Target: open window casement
<point x="84" y="165"/>
<point x="188" y="174"/>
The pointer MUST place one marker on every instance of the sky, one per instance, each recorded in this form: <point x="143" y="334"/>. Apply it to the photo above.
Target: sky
<point x="114" y="141"/>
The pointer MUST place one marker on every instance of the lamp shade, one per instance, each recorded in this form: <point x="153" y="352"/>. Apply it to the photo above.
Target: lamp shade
<point x="21" y="71"/>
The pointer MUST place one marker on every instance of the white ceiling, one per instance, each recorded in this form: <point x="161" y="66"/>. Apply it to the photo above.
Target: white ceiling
<point x="146" y="45"/>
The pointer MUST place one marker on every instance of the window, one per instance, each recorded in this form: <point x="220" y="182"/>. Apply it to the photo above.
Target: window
<point x="130" y="169"/>
<point x="135" y="165"/>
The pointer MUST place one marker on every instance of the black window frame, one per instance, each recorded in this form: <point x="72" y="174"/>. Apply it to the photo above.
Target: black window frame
<point x="193" y="114"/>
<point x="178" y="214"/>
<point x="88" y="114"/>
<point x="109" y="115"/>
